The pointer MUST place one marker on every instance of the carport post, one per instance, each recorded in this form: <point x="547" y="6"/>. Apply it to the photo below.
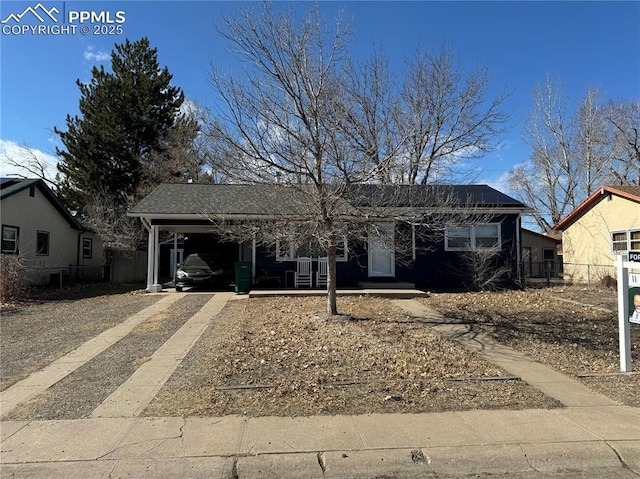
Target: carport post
<point x="156" y="253"/>
<point x="175" y="256"/>
<point x="152" y="261"/>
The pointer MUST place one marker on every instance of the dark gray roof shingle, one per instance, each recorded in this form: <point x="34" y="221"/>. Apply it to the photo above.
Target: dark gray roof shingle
<point x="275" y="199"/>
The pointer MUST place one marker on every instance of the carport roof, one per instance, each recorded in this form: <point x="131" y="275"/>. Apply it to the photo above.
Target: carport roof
<point x="215" y="200"/>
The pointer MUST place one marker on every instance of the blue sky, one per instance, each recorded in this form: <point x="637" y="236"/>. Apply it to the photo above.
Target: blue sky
<point x="580" y="43"/>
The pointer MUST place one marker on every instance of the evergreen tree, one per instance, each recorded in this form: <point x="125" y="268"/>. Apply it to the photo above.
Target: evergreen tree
<point x="126" y="116"/>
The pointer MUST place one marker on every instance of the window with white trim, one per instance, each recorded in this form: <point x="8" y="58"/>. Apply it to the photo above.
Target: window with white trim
<point x="473" y="238"/>
<point x="10" y="236"/>
<point x="623" y="241"/>
<point x="287" y="251"/>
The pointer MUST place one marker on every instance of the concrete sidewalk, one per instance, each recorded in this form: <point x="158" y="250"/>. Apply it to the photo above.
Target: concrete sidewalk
<point x="601" y="441"/>
<point x="593" y="437"/>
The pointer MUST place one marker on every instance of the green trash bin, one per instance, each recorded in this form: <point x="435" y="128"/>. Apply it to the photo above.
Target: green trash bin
<point x="243" y="277"/>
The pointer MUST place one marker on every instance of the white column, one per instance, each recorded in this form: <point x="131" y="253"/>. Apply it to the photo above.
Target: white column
<point x="175" y="255"/>
<point x="623" y="314"/>
<point x="156" y="250"/>
<point x="150" y="260"/>
<point x="153" y="258"/>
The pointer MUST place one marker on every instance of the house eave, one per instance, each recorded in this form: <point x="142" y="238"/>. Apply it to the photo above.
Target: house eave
<point x="397" y="213"/>
<point x="595" y="197"/>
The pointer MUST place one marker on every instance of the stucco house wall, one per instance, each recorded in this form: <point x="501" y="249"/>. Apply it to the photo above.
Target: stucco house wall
<point x="586" y="237"/>
<point x="31" y="211"/>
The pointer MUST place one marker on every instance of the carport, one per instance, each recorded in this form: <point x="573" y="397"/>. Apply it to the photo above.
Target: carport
<point x="189" y="229"/>
<point x="191" y="209"/>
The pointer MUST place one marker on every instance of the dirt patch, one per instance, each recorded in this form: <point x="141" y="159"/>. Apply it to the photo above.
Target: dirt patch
<point x="573" y="329"/>
<point x="276" y="356"/>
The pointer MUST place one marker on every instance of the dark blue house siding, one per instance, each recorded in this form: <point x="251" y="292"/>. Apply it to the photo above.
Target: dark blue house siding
<point x="440" y="269"/>
<point x="433" y="268"/>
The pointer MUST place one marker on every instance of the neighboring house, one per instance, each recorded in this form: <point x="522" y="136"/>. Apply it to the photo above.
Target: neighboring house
<point x="540" y="255"/>
<point x="41" y="230"/>
<point x="187" y="210"/>
<point x="604" y="225"/>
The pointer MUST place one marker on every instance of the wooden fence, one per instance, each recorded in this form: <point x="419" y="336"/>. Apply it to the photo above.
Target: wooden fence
<point x="127" y="266"/>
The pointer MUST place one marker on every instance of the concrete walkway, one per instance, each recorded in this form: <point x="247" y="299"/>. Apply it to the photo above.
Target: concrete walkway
<point x="40" y="381"/>
<point x="593" y="437"/>
<point x="135" y="394"/>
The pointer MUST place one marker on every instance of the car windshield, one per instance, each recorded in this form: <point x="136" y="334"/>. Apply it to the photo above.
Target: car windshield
<point x="202" y="261"/>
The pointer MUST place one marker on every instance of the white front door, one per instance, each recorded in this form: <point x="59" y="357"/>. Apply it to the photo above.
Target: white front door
<point x="382" y="251"/>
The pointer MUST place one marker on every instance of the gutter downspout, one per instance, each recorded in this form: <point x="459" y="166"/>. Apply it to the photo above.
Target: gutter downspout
<point x="253" y="260"/>
<point x="78" y="248"/>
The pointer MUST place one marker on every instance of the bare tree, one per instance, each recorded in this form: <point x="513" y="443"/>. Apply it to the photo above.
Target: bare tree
<point x="573" y="153"/>
<point x="446" y="117"/>
<point x="182" y="155"/>
<point x="104" y="215"/>
<point x="624" y="126"/>
<point x="302" y="115"/>
<point x="280" y="120"/>
<point x="592" y="150"/>
<point x="31" y="165"/>
<point x="548" y="181"/>
<point x="370" y="118"/>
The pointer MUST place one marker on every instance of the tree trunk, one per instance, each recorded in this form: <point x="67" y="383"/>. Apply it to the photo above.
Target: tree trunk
<point x="332" y="307"/>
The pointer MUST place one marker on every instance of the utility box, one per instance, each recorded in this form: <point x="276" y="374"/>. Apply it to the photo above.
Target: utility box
<point x="243" y="277"/>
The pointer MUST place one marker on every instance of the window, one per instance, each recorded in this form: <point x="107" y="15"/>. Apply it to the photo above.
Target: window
<point x="284" y="251"/>
<point x="619" y="242"/>
<point x="487" y="236"/>
<point x="87" y="247"/>
<point x="42" y="243"/>
<point x="10" y="239"/>
<point x="341" y="248"/>
<point x="547" y="254"/>
<point x="458" y="239"/>
<point x="473" y="238"/>
<point x="623" y="241"/>
<point x="287" y="251"/>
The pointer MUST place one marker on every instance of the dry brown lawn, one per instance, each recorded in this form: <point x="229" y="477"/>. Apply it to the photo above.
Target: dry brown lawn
<point x="276" y="356"/>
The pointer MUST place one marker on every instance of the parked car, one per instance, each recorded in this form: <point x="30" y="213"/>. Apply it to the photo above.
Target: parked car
<point x="206" y="270"/>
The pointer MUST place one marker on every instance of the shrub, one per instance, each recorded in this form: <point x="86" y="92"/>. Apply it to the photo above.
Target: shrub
<point x="13" y="285"/>
<point x="608" y="282"/>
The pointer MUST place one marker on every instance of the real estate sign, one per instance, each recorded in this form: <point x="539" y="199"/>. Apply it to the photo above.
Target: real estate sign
<point x="634" y="298"/>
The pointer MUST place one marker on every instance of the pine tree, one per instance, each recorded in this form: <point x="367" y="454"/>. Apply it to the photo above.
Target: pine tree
<point x="126" y="115"/>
